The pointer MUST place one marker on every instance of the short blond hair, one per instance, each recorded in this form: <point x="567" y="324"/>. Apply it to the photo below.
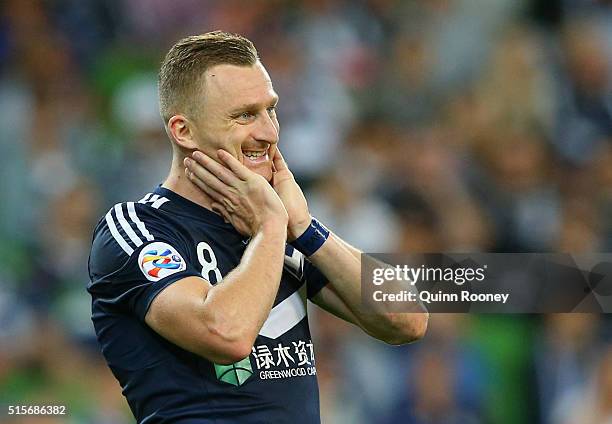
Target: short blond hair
<point x="183" y="67"/>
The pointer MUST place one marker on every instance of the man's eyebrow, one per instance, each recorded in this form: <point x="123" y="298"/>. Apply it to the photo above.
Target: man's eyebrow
<point x="253" y="106"/>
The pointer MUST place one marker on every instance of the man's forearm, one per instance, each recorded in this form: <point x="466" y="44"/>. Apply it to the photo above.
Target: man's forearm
<point x="239" y="305"/>
<point x="341" y="264"/>
<point x="341" y="268"/>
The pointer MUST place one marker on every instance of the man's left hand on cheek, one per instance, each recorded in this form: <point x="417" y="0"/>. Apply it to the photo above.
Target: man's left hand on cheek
<point x="292" y="196"/>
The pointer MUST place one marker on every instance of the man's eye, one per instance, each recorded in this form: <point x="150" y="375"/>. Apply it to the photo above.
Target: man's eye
<point x="272" y="109"/>
<point x="246" y="115"/>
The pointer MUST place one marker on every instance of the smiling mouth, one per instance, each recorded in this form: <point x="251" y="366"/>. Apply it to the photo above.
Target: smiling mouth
<point x="256" y="156"/>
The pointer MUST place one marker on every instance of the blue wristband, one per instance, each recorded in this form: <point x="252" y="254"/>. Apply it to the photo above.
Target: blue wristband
<point x="312" y="239"/>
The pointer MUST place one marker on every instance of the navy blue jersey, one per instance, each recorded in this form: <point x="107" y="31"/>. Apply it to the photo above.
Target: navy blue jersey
<point x="139" y="248"/>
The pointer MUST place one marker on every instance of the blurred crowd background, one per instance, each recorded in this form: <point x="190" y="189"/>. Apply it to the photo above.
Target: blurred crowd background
<point x="413" y="126"/>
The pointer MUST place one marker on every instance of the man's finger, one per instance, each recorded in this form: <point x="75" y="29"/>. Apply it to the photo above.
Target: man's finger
<point x="215" y="195"/>
<point x="279" y="161"/>
<point x="207" y="177"/>
<point x="234" y="164"/>
<point x="214" y="167"/>
<point x="218" y="207"/>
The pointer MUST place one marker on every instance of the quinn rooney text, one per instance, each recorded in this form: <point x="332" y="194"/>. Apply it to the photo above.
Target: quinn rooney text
<point x="429" y="297"/>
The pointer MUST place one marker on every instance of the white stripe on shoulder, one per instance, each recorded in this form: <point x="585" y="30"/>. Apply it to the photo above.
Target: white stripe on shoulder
<point x="126" y="226"/>
<point x="144" y="199"/>
<point x="156" y="204"/>
<point x="141" y="226"/>
<point x="152" y="199"/>
<point x="113" y="229"/>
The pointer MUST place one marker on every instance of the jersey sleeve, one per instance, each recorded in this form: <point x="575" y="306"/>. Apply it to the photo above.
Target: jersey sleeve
<point x="315" y="280"/>
<point x="133" y="258"/>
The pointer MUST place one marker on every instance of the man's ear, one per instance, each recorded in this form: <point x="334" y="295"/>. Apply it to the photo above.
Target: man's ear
<point x="181" y="132"/>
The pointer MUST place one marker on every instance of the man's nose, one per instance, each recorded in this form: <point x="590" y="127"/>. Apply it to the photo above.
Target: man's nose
<point x="266" y="129"/>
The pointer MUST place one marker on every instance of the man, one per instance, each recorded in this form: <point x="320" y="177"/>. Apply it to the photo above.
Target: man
<point x="185" y="346"/>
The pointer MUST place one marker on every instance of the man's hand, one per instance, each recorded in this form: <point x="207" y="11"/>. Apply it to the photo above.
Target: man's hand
<point x="242" y="197"/>
<point x="291" y="194"/>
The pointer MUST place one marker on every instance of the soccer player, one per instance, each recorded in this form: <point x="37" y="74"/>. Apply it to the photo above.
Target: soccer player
<point x="199" y="288"/>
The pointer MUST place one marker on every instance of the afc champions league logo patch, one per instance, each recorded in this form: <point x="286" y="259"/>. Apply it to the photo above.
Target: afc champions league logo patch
<point x="158" y="260"/>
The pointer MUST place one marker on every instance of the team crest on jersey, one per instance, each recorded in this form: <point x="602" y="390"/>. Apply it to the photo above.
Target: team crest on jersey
<point x="159" y="260"/>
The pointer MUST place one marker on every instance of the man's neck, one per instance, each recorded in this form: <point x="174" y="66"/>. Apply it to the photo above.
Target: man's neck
<point x="178" y="182"/>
